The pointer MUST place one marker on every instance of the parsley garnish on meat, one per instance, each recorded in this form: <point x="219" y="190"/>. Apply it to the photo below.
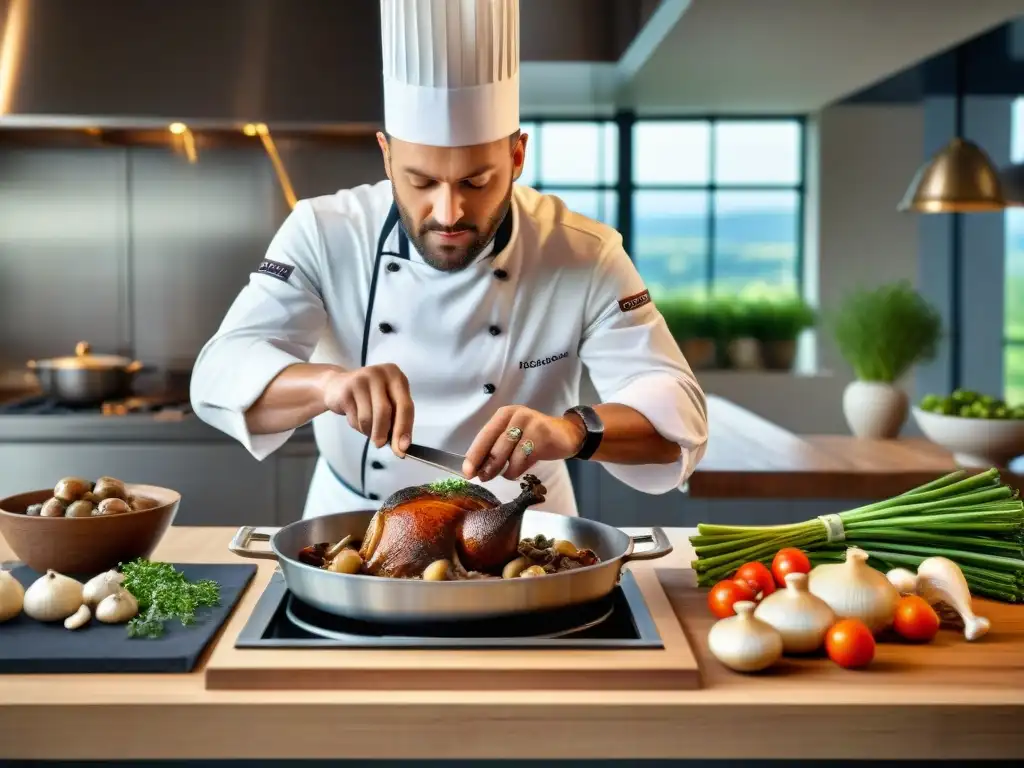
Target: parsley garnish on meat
<point x="448" y="485"/>
<point x="164" y="594"/>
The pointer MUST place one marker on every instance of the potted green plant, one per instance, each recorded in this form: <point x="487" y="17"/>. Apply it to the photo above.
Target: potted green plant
<point x="777" y="324"/>
<point x="690" y="322"/>
<point x="882" y="333"/>
<point x="737" y="323"/>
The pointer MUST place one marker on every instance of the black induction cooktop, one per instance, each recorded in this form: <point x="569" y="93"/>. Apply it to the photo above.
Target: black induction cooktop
<point x="620" y="620"/>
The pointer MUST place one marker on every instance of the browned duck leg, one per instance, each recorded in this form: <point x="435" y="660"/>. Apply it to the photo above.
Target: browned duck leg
<point x="489" y="538"/>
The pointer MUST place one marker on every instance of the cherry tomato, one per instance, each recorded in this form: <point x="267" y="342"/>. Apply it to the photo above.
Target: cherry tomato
<point x="758" y="577"/>
<point x="915" y="619"/>
<point x="727" y="593"/>
<point x="849" y="643"/>
<point x="789" y="560"/>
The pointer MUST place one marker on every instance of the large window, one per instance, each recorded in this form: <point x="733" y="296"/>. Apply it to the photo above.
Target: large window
<point x="717" y="205"/>
<point x="578" y="161"/>
<point x="1013" y="354"/>
<point x="712" y="206"/>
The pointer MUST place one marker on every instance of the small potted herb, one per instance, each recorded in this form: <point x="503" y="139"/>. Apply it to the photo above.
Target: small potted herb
<point x="738" y="323"/>
<point x="777" y="324"/>
<point x="690" y="322"/>
<point x="882" y="333"/>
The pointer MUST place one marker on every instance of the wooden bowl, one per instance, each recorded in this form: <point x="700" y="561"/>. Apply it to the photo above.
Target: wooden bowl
<point x="85" y="545"/>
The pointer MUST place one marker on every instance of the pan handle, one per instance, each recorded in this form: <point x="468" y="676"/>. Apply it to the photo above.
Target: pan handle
<point x="662" y="546"/>
<point x="247" y="533"/>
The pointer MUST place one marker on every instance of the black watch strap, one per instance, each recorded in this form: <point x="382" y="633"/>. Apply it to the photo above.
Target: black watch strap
<point x="595" y="430"/>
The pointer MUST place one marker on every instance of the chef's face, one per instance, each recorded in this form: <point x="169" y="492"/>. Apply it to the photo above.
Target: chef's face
<point x="452" y="199"/>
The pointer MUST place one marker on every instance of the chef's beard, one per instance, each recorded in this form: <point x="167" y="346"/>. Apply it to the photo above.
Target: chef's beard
<point x="451" y="258"/>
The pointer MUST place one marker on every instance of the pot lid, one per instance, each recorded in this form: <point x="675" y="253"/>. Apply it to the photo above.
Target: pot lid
<point x="83" y="358"/>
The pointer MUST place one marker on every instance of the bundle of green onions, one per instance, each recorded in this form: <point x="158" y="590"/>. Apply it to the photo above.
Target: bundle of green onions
<point x="976" y="521"/>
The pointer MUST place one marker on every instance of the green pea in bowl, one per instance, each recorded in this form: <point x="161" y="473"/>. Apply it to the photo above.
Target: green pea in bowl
<point x="979" y="430"/>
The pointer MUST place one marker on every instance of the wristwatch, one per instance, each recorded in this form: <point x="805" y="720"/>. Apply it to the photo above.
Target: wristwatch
<point x="595" y="430"/>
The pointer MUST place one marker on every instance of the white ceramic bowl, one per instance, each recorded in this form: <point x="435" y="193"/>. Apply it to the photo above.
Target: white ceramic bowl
<point x="974" y="442"/>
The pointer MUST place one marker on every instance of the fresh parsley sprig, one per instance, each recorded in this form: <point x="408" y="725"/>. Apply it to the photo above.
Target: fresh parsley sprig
<point x="164" y="594"/>
<point x="448" y="485"/>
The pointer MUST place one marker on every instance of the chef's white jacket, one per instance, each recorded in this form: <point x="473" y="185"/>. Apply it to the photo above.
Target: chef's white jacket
<point x="556" y="293"/>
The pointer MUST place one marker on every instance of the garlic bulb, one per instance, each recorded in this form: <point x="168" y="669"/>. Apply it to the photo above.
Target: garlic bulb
<point x="905" y="581"/>
<point x="53" y="597"/>
<point x="117" y="608"/>
<point x="801" y="618"/>
<point x="12" y="596"/>
<point x="745" y="643"/>
<point x="855" y="590"/>
<point x="98" y="587"/>
<point x="940" y="580"/>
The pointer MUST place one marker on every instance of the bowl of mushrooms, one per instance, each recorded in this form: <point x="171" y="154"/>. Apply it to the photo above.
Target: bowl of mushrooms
<point x="83" y="527"/>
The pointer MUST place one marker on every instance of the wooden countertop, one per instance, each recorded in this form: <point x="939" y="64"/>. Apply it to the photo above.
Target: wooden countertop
<point x="751" y="457"/>
<point x="950" y="699"/>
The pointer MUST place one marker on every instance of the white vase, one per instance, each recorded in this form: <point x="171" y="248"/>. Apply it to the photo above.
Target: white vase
<point x="874" y="409"/>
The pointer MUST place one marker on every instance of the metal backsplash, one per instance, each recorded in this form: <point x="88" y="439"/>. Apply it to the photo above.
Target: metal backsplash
<point x="134" y="249"/>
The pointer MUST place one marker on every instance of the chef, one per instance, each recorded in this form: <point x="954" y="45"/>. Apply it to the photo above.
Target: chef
<point x="448" y="306"/>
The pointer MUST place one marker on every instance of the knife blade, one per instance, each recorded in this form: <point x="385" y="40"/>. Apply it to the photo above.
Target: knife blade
<point x="435" y="457"/>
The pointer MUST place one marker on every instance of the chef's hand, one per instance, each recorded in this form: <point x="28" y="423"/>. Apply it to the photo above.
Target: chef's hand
<point x="538" y="438"/>
<point x="376" y="401"/>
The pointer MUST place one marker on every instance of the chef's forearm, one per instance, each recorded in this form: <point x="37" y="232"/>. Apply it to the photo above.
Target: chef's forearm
<point x="293" y="398"/>
<point x="629" y="438"/>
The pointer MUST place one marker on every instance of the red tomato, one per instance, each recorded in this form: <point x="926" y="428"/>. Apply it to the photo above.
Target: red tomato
<point x="789" y="560"/>
<point x="727" y="593"/>
<point x="758" y="577"/>
<point x="915" y="619"/>
<point x="849" y="643"/>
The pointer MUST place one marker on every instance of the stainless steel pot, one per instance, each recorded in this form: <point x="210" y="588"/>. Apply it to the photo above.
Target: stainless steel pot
<point x="85" y="378"/>
<point x="375" y="598"/>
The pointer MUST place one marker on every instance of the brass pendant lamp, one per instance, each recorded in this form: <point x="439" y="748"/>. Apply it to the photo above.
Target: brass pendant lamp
<point x="961" y="177"/>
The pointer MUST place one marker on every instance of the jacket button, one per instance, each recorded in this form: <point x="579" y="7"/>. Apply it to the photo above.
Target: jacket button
<point x="501" y="274"/>
<point x="393" y="266"/>
<point x="494" y="330"/>
<point x="377" y="465"/>
<point x="385" y="328"/>
<point x="489" y="389"/>
<point x="373" y="497"/>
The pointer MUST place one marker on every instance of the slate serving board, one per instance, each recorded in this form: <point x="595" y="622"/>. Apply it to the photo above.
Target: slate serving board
<point x="28" y="646"/>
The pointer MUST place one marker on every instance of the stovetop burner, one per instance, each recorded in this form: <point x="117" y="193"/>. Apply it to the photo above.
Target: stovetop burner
<point x="621" y="620"/>
<point x="41" y="405"/>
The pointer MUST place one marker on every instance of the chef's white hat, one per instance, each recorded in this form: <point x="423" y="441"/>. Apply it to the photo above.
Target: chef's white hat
<point x="451" y="70"/>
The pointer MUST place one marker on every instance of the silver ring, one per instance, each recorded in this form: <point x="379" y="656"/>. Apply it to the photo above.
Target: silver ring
<point x="513" y="434"/>
<point x="527" y="447"/>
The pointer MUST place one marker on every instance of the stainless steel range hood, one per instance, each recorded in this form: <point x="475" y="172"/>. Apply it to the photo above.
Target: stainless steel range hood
<point x="220" y="64"/>
<point x="212" y="63"/>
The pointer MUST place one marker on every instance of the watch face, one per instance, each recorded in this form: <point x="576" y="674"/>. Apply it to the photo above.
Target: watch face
<point x="594" y="430"/>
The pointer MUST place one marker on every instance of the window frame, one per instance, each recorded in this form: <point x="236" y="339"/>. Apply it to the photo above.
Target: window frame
<point x="1011" y="341"/>
<point x="626" y="185"/>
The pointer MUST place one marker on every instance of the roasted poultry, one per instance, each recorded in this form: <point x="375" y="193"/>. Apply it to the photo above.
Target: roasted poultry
<point x="457" y="522"/>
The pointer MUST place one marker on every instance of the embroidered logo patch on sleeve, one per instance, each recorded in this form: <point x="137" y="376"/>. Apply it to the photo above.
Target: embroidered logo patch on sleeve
<point x="276" y="269"/>
<point x="635" y="301"/>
